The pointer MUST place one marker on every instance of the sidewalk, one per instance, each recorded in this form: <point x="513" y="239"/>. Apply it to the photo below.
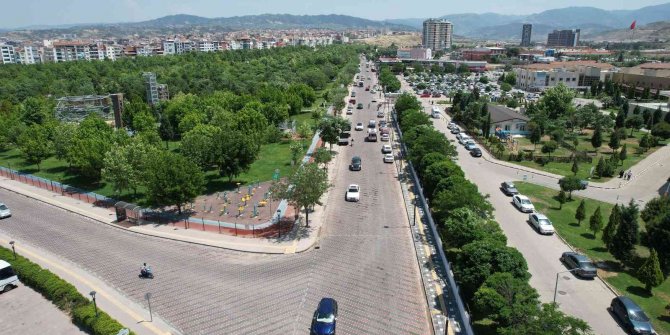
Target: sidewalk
<point x="298" y="240"/>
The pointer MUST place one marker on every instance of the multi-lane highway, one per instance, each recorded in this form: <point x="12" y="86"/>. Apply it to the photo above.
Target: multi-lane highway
<point x="365" y="261"/>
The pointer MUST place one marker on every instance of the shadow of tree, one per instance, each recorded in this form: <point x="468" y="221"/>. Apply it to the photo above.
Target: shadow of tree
<point x="588" y="235"/>
<point x="638" y="291"/>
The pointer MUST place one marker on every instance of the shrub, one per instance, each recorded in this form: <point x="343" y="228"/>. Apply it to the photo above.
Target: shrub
<point x="62" y="294"/>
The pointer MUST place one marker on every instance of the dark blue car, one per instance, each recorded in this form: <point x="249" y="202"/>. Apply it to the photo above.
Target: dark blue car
<point x="325" y="317"/>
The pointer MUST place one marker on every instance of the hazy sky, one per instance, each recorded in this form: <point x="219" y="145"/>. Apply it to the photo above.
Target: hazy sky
<point x="17" y="13"/>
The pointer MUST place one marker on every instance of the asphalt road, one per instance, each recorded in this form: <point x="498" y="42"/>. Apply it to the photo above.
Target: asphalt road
<point x="586" y="299"/>
<point x="365" y="261"/>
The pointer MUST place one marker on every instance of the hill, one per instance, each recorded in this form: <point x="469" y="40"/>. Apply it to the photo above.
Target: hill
<point x="653" y="32"/>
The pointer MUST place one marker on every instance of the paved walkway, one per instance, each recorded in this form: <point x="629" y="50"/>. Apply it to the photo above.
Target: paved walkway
<point x="298" y="240"/>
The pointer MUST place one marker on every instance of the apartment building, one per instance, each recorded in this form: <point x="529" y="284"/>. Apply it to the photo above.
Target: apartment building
<point x="437" y="34"/>
<point x="7" y="54"/>
<point x="563" y="38"/>
<point x="526" y="34"/>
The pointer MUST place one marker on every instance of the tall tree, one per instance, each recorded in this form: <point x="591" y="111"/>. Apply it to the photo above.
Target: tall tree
<point x="596" y="222"/>
<point x="574" y="168"/>
<point x="89" y="146"/>
<point x="597" y="138"/>
<point x="562" y="198"/>
<point x="614" y="142"/>
<point x="199" y="145"/>
<point x="35" y="145"/>
<point x="580" y="214"/>
<point x="506" y="300"/>
<point x="548" y="320"/>
<point x="623" y="154"/>
<point x="305" y="188"/>
<point x="235" y="152"/>
<point x="623" y="242"/>
<point x="650" y="273"/>
<point x="612" y="226"/>
<point x="173" y="180"/>
<point x="570" y="184"/>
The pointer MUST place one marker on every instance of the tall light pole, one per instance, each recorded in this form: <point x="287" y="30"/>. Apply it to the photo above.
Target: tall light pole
<point x="95" y="305"/>
<point x="556" y="285"/>
<point x="279" y="222"/>
<point x="13" y="250"/>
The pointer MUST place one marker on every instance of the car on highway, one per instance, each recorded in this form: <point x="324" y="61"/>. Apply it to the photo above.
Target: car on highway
<point x="541" y="223"/>
<point x="324" y="321"/>
<point x="631" y="316"/>
<point x="353" y="193"/>
<point x="355" y="164"/>
<point x="579" y="264"/>
<point x="5" y="212"/>
<point x="385" y="137"/>
<point x="386" y="149"/>
<point x="372" y="124"/>
<point x="476" y="152"/>
<point x="388" y="158"/>
<point x="343" y="139"/>
<point x="508" y="188"/>
<point x="359" y="126"/>
<point x="523" y="203"/>
<point x="359" y="106"/>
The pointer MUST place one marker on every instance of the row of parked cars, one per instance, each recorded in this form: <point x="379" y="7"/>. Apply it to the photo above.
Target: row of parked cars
<point x="464" y="139"/>
<point x="630" y="315"/>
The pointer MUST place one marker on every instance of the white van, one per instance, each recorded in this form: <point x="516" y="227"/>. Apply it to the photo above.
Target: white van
<point x="8" y="279"/>
<point x="435" y="112"/>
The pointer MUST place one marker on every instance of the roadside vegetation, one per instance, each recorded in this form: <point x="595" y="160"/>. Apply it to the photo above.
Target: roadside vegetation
<point x="225" y="123"/>
<point x="620" y="245"/>
<point x="493" y="278"/>
<point x="63" y="295"/>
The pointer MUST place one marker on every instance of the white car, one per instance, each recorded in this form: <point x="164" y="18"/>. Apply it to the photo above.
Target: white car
<point x="386" y="149"/>
<point x="353" y="193"/>
<point x="380" y="114"/>
<point x="388" y="158"/>
<point x="4" y="211"/>
<point x="523" y="203"/>
<point x="359" y="126"/>
<point x="385" y="137"/>
<point x="350" y="111"/>
<point x="542" y="223"/>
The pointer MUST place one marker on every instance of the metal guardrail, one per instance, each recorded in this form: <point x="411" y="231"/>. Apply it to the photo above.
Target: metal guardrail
<point x="466" y="327"/>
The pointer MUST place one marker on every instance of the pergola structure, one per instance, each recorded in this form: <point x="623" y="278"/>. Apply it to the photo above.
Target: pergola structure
<point x="76" y="108"/>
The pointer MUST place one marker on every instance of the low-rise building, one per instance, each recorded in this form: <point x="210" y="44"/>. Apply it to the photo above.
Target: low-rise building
<point x="478" y="54"/>
<point x="508" y="121"/>
<point x="414" y="53"/>
<point x="655" y="76"/>
<point x="574" y="74"/>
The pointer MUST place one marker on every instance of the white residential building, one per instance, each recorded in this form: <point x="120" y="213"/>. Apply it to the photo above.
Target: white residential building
<point x="8" y="54"/>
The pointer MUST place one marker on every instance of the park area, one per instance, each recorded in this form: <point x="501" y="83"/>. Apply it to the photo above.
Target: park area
<point x="624" y="279"/>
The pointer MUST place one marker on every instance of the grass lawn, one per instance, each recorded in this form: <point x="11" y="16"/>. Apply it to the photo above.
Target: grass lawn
<point x="271" y="157"/>
<point x="580" y="237"/>
<point x="584" y="145"/>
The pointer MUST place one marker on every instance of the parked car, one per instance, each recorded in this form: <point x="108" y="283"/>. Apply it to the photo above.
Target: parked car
<point x="353" y="94"/>
<point x="4" y="211"/>
<point x="508" y="188"/>
<point x="374" y="100"/>
<point x="470" y="145"/>
<point x="386" y="149"/>
<point x="388" y="158"/>
<point x="8" y="279"/>
<point x="523" y="203"/>
<point x="382" y="124"/>
<point x="355" y="164"/>
<point x="353" y="193"/>
<point x="352" y="101"/>
<point x="350" y="110"/>
<point x="359" y="106"/>
<point x="425" y="95"/>
<point x="359" y="126"/>
<point x="385" y="137"/>
<point x="583" y="265"/>
<point x="631" y="316"/>
<point x="541" y="223"/>
<point x="455" y="130"/>
<point x="380" y="114"/>
<point x="476" y="152"/>
<point x="325" y="318"/>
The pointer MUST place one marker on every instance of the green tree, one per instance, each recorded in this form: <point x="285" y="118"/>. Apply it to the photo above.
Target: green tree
<point x="634" y="122"/>
<point x="580" y="214"/>
<point x="63" y="136"/>
<point x="330" y="129"/>
<point x="549" y="147"/>
<point x="35" y="144"/>
<point x="505" y="87"/>
<point x="612" y="226"/>
<point x="561" y="198"/>
<point x="89" y="146"/>
<point x="658" y="232"/>
<point x="438" y="171"/>
<point x="535" y="134"/>
<point x="655" y="208"/>
<point x="118" y="171"/>
<point x="650" y="273"/>
<point x="309" y="183"/>
<point x="596" y="222"/>
<point x="574" y="168"/>
<point x="614" y="142"/>
<point x="548" y="320"/>
<point x="456" y="192"/>
<point x="173" y="180"/>
<point x="557" y="101"/>
<point x="465" y="226"/>
<point x="661" y="129"/>
<point x="597" y="138"/>
<point x="506" y="300"/>
<point x="234" y="152"/>
<point x="296" y="152"/>
<point x="623" y="242"/>
<point x="322" y="156"/>
<point x="570" y="184"/>
<point x="199" y="145"/>
<point x="423" y="140"/>
<point x="623" y="154"/>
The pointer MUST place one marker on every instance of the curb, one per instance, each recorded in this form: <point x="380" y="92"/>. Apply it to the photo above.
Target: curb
<point x="140" y="232"/>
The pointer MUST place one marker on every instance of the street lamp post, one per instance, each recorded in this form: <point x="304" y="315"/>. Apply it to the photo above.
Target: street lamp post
<point x="95" y="305"/>
<point x="279" y="222"/>
<point x="556" y="285"/>
<point x="13" y="249"/>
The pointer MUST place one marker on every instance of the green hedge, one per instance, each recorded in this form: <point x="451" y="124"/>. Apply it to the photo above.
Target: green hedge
<point x="62" y="294"/>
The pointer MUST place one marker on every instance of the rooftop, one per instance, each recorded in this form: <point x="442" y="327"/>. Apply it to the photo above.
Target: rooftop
<point x="569" y="65"/>
<point x="501" y="113"/>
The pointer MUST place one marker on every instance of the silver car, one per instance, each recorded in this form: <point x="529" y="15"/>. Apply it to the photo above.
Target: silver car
<point x="541" y="223"/>
<point x="4" y="211"/>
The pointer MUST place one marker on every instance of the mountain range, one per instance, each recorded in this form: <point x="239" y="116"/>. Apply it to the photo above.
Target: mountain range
<point x="590" y="20"/>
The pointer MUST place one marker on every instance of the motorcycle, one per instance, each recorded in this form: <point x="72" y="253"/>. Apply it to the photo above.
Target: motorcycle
<point x="146" y="273"/>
